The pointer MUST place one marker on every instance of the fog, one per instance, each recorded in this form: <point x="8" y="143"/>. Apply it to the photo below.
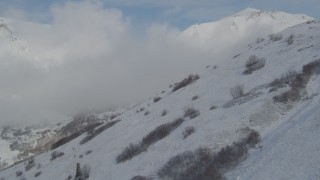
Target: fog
<point x="91" y="58"/>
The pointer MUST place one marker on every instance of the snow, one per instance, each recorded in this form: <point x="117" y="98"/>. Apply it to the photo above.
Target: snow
<point x="290" y="147"/>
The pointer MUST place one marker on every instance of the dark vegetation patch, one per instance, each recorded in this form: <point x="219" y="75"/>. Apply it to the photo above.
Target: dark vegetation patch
<point x="297" y="83"/>
<point x="188" y="131"/>
<point x="155" y="135"/>
<point x="185" y="82"/>
<point x="253" y="64"/>
<point x="203" y="164"/>
<point x="191" y="112"/>
<point x="56" y="154"/>
<point x="156" y="99"/>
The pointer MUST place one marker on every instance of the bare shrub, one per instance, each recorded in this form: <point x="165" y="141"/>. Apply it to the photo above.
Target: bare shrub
<point x="81" y="156"/>
<point x="156" y="99"/>
<point x="18" y="173"/>
<point x="312" y="68"/>
<point x="213" y="107"/>
<point x="195" y="97"/>
<point x="254" y="63"/>
<point x="237" y="91"/>
<point x="160" y="132"/>
<point x="86" y="169"/>
<point x="189" y="80"/>
<point x="88" y="152"/>
<point x="31" y="163"/>
<point x="129" y="152"/>
<point x="253" y="138"/>
<point x="191" y="112"/>
<point x="191" y="165"/>
<point x="141" y="178"/>
<point x="275" y="37"/>
<point x="291" y="95"/>
<point x="56" y="154"/>
<point x="284" y="79"/>
<point x="164" y="112"/>
<point x="290" y="39"/>
<point x="231" y="155"/>
<point x="188" y="131"/>
<point x="37" y="174"/>
<point x="157" y="134"/>
<point x="146" y="113"/>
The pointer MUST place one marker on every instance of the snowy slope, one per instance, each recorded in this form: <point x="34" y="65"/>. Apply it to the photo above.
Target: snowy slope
<point x="279" y="124"/>
<point x="241" y="28"/>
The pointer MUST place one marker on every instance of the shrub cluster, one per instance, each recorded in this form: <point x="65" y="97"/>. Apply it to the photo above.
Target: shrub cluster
<point x="298" y="83"/>
<point x="164" y="112"/>
<point x="141" y="178"/>
<point x="56" y="154"/>
<point x="275" y="37"/>
<point x="191" y="112"/>
<point x="254" y="63"/>
<point x="237" y="91"/>
<point x="96" y="132"/>
<point x="195" y="97"/>
<point x="156" y="99"/>
<point x="185" y="82"/>
<point x="188" y="131"/>
<point x="18" y="173"/>
<point x="31" y="163"/>
<point x="203" y="164"/>
<point x="157" y="134"/>
<point x="290" y="39"/>
<point x="37" y="174"/>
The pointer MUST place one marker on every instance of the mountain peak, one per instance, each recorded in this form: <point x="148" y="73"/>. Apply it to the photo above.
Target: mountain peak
<point x="248" y="11"/>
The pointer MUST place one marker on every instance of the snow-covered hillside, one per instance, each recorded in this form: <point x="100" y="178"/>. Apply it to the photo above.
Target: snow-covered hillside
<point x="283" y="112"/>
<point x="240" y="28"/>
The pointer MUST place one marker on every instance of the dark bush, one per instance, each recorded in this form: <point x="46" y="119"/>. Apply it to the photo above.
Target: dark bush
<point x="157" y="134"/>
<point x="56" y="154"/>
<point x="237" y="91"/>
<point x="189" y="80"/>
<point x="213" y="107"/>
<point x="311" y="68"/>
<point x="88" y="152"/>
<point x="160" y="132"/>
<point x="31" y="163"/>
<point x="18" y="173"/>
<point x="231" y="155"/>
<point x="81" y="156"/>
<point x="129" y="152"/>
<point x="290" y="39"/>
<point x="190" y="166"/>
<point x="291" y="95"/>
<point x="37" y="174"/>
<point x="191" y="112"/>
<point x="195" y="98"/>
<point x="146" y="113"/>
<point x="96" y="132"/>
<point x="164" y="112"/>
<point x="284" y="79"/>
<point x="156" y="99"/>
<point x="253" y="138"/>
<point x="275" y="37"/>
<point x="141" y="178"/>
<point x="188" y="131"/>
<point x="254" y="63"/>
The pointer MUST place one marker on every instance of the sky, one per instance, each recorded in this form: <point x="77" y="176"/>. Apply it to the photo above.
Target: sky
<point x="178" y="13"/>
<point x="66" y="57"/>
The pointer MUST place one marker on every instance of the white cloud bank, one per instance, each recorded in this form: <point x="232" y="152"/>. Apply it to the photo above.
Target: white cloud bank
<point x="90" y="58"/>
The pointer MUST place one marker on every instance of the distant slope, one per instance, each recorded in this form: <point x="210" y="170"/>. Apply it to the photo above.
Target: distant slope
<point x="241" y="28"/>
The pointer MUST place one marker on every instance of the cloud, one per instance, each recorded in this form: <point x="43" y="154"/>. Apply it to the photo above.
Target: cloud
<point x="90" y="57"/>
